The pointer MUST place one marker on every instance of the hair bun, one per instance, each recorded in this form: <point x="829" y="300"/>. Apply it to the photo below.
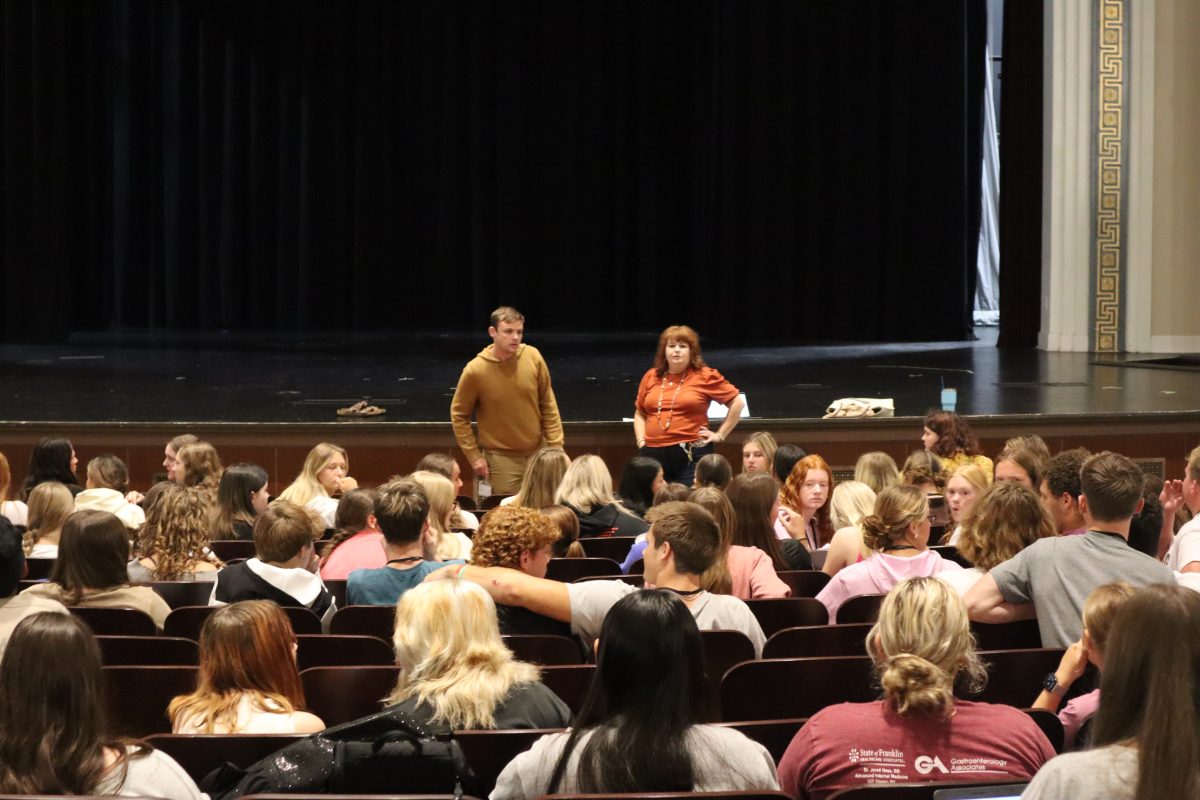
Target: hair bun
<point x="915" y="685"/>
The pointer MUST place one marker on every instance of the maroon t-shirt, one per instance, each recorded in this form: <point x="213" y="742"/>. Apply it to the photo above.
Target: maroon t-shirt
<point x="852" y="744"/>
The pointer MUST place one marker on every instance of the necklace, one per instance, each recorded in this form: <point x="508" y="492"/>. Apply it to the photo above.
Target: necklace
<point x="682" y="593"/>
<point x="891" y="547"/>
<point x="671" y="411"/>
<point x="408" y="560"/>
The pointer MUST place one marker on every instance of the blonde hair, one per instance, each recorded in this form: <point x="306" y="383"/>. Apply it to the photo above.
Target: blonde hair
<point x="896" y="508"/>
<point x="851" y="501"/>
<point x="440" y="492"/>
<point x="766" y="442"/>
<point x="587" y="484"/>
<point x="717" y="579"/>
<point x="450" y="654"/>
<point x="877" y="470"/>
<point x="543" y="474"/>
<point x="920" y="644"/>
<point x="306" y="486"/>
<point x="1007" y="518"/>
<point x="1101" y="608"/>
<point x="973" y="474"/>
<point x="50" y="504"/>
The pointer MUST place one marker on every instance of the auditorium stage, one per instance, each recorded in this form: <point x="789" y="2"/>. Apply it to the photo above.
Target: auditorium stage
<point x="282" y="391"/>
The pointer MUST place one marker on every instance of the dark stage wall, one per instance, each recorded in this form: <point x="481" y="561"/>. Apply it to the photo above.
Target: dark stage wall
<point x="766" y="171"/>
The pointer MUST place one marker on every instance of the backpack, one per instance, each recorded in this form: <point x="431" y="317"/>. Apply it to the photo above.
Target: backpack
<point x="390" y="752"/>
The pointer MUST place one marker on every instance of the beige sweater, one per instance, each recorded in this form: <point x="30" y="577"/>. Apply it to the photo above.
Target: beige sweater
<point x="512" y="401"/>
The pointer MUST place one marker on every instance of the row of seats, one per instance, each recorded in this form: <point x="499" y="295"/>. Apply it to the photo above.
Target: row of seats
<point x="488" y="752"/>
<point x="773" y="615"/>
<point x="342" y="693"/>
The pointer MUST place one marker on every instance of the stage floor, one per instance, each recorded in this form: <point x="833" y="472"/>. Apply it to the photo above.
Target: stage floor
<point x="149" y="378"/>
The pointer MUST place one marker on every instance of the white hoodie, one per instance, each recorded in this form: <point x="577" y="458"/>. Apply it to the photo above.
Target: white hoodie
<point x="112" y="501"/>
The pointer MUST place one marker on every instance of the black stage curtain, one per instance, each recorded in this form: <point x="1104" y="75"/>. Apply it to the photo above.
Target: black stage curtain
<point x="765" y="171"/>
<point x="1021" y="175"/>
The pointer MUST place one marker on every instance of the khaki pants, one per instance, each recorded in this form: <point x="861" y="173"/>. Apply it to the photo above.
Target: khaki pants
<point x="506" y="471"/>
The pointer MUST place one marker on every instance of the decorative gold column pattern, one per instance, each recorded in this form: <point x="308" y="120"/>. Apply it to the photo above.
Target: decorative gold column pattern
<point x="1111" y="100"/>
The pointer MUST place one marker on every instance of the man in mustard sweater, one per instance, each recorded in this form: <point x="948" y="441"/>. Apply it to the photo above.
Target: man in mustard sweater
<point x="507" y="388"/>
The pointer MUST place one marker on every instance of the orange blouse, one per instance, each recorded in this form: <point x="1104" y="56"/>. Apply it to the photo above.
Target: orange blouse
<point x="676" y="410"/>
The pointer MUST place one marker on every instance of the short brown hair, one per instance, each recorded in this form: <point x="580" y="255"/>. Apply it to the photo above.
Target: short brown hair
<point x="691" y="531"/>
<point x="108" y="472"/>
<point x="401" y="510"/>
<point x="1062" y="473"/>
<point x="506" y="314"/>
<point x="1112" y="485"/>
<point x="282" y="531"/>
<point x="508" y="531"/>
<point x="678" y="333"/>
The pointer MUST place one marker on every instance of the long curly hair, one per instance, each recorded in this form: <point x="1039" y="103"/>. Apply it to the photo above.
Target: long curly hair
<point x="176" y="530"/>
<point x="789" y="495"/>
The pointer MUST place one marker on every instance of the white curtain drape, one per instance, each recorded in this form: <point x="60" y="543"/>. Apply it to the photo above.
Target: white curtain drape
<point x="987" y="289"/>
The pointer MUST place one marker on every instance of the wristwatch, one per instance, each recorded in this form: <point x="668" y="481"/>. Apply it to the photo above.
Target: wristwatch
<point x="1051" y="685"/>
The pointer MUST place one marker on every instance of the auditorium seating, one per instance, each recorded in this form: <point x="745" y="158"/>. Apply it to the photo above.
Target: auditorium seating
<point x="183" y="593"/>
<point x="493" y="501"/>
<point x="804" y="582"/>
<point x="116" y="621"/>
<point x="161" y="651"/>
<point x="569" y="569"/>
<point x="776" y="614"/>
<point x="39" y="568"/>
<point x="748" y="795"/>
<point x="199" y="754"/>
<point x="377" y="621"/>
<point x="1020" y="635"/>
<point x="570" y="683"/>
<point x="138" y="696"/>
<point x="488" y="752"/>
<point x="863" y="608"/>
<point x="773" y="734"/>
<point x="614" y="547"/>
<point x="544" y="650"/>
<point x="802" y="686"/>
<point x="847" y="639"/>
<point x="722" y="650"/>
<point x="328" y="650"/>
<point x="638" y="580"/>
<point x="188" y="620"/>
<point x="342" y="694"/>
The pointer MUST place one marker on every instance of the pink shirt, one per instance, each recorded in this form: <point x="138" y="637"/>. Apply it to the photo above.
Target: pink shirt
<point x="1075" y="713"/>
<point x="363" y="550"/>
<point x="852" y="744"/>
<point x="753" y="574"/>
<point x="877" y="575"/>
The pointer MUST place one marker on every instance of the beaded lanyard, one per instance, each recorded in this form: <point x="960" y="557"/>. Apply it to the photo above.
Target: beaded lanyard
<point x="671" y="411"/>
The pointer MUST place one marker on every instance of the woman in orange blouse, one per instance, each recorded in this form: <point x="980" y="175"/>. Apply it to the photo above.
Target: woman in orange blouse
<point x="670" y="418"/>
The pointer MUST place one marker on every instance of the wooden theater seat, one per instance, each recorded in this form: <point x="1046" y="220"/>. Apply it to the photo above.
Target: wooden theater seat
<point x="160" y="651"/>
<point x="201" y="753"/>
<point x="183" y="593"/>
<point x="116" y="621"/>
<point x="776" y="614"/>
<point x="804" y="582"/>
<point x="570" y="569"/>
<point x="544" y="650"/>
<point x="810" y="641"/>
<point x="862" y="608"/>
<point x="377" y="621"/>
<point x="488" y="752"/>
<point x="612" y="547"/>
<point x="342" y="694"/>
<point x="329" y="650"/>
<point x="722" y="651"/>
<point x="794" y="687"/>
<point x="138" y="697"/>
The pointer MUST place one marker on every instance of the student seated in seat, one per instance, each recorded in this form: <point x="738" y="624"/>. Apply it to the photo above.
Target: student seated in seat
<point x="638" y="731"/>
<point x="172" y="544"/>
<point x="56" y="739"/>
<point x="683" y="541"/>
<point x="92" y="568"/>
<point x="14" y="607"/>
<point x="248" y="681"/>
<point x="410" y="546"/>
<point x="918" y="731"/>
<point x="284" y="569"/>
<point x="522" y="539"/>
